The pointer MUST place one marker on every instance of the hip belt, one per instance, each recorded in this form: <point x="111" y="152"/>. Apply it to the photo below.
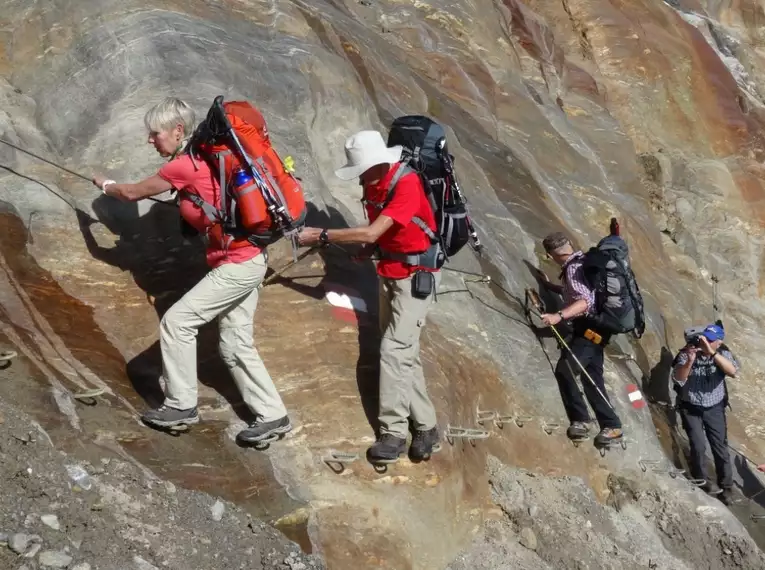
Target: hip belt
<point x="432" y="258"/>
<point x="592" y="336"/>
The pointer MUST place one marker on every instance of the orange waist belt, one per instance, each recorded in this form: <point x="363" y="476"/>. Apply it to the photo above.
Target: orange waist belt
<point x="592" y="336"/>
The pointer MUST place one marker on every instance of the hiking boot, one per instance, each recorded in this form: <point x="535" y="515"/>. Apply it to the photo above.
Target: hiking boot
<point x="386" y="449"/>
<point x="577" y="430"/>
<point x="424" y="442"/>
<point x="258" y="431"/>
<point x="726" y="496"/>
<point x="711" y="489"/>
<point x="165" y="416"/>
<point x="607" y="436"/>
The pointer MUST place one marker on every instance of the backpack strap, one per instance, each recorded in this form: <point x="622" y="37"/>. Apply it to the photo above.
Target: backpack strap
<point x="420" y="223"/>
<point x="431" y="258"/>
<point x="402" y="171"/>
<point x="212" y="214"/>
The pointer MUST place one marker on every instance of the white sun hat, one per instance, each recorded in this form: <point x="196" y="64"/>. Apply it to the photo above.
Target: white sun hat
<point x="364" y="150"/>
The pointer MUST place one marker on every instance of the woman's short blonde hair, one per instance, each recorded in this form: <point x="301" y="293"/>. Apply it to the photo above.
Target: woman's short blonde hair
<point x="170" y="112"/>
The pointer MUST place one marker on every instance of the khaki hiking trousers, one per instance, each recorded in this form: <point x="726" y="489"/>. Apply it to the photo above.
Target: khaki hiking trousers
<point x="403" y="393"/>
<point x="229" y="292"/>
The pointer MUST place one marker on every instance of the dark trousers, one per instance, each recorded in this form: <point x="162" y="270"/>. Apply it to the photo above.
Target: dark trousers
<point x="590" y="355"/>
<point x="696" y="421"/>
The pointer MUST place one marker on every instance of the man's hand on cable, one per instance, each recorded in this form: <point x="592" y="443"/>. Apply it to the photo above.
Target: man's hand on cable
<point x="551" y="319"/>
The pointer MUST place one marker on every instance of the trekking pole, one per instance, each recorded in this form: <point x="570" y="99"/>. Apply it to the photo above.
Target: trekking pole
<point x="65" y="169"/>
<point x="534" y="298"/>
<point x="300" y="257"/>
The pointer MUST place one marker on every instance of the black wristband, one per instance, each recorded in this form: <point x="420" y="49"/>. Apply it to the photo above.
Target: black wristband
<point x="323" y="237"/>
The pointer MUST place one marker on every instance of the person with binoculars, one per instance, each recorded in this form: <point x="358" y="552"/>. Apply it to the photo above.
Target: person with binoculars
<point x="699" y="372"/>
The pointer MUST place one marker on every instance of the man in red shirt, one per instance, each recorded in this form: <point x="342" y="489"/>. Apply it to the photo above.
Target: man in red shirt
<point x="402" y="228"/>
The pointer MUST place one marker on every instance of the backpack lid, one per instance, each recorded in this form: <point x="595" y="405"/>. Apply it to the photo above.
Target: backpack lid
<point x="614" y="246"/>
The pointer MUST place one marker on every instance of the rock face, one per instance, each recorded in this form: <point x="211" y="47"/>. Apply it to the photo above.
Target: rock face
<point x="572" y="530"/>
<point x="126" y="520"/>
<point x="560" y="115"/>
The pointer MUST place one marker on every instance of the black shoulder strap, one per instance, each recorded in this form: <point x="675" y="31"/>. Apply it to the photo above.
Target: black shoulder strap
<point x="402" y="171"/>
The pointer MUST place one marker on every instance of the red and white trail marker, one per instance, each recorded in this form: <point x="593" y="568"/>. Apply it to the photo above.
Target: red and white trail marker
<point x="635" y="396"/>
<point x="346" y="303"/>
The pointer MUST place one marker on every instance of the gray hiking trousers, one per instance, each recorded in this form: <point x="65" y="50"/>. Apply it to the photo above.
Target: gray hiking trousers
<point x="230" y="293"/>
<point x="403" y="393"/>
<point x="703" y="424"/>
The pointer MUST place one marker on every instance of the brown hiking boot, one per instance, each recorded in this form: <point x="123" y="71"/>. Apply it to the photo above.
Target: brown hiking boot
<point x="607" y="436"/>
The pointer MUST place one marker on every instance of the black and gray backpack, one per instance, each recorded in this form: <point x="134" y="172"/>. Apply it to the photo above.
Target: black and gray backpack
<point x="618" y="303"/>
<point x="426" y="153"/>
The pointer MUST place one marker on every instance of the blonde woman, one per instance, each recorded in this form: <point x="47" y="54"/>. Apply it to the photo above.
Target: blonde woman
<point x="229" y="291"/>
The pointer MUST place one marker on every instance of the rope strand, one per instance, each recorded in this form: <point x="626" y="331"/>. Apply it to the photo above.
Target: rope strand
<point x="69" y="171"/>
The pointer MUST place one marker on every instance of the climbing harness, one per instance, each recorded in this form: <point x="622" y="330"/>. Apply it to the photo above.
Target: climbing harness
<point x="72" y="172"/>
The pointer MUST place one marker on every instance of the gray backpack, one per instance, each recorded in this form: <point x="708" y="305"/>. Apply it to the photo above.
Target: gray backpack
<point x="618" y="303"/>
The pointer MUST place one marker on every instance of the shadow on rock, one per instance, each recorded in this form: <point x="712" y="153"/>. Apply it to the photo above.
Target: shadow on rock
<point x="165" y="265"/>
<point x="358" y="279"/>
<point x="551" y="301"/>
<point x="657" y="385"/>
<point x="751" y="486"/>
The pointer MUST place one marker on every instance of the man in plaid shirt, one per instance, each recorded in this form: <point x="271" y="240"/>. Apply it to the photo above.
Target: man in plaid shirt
<point x="699" y="372"/>
<point x="579" y="300"/>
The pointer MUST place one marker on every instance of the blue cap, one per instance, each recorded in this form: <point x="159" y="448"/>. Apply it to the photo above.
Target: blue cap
<point x="713" y="333"/>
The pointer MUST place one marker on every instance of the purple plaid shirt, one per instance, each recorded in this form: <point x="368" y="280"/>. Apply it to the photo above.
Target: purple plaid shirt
<point x="574" y="286"/>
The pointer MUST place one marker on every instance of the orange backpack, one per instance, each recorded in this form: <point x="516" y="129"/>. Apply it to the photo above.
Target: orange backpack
<point x="261" y="200"/>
